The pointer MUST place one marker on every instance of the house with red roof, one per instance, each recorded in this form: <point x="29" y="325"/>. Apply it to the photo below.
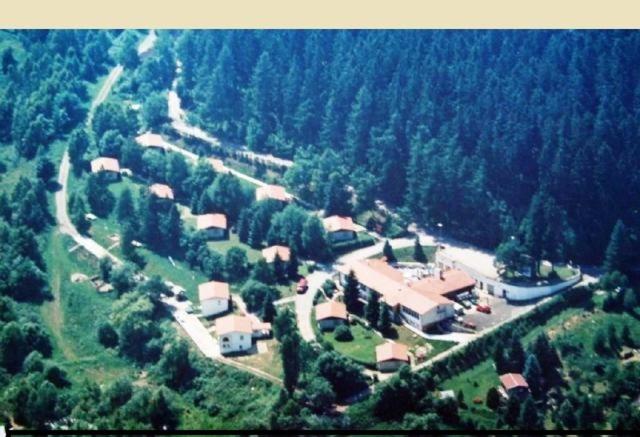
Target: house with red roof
<point x="514" y="384"/>
<point x="339" y="228"/>
<point x="331" y="314"/>
<point x="214" y="226"/>
<point x="391" y="356"/>
<point x="214" y="298"/>
<point x="110" y="167"/>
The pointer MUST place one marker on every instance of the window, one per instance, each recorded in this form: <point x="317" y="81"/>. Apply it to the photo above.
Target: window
<point x="225" y="339"/>
<point x="242" y="337"/>
<point x="490" y="288"/>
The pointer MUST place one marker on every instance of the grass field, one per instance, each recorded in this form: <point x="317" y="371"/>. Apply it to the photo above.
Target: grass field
<point x="402" y="334"/>
<point x="269" y="362"/>
<point x="406" y="253"/>
<point x="361" y="348"/>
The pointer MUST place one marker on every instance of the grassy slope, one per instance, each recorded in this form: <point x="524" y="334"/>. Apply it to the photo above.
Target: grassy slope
<point x="362" y="347"/>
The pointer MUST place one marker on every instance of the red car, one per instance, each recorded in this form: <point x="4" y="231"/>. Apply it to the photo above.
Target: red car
<point x="484" y="309"/>
<point x="302" y="286"/>
<point x="469" y="325"/>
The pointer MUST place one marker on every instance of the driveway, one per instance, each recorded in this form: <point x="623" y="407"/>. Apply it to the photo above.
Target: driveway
<point x="304" y="302"/>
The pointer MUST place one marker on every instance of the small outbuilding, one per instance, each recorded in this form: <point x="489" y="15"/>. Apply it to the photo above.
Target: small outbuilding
<point x="331" y="314"/>
<point x="514" y="384"/>
<point x="162" y="191"/>
<point x="214" y="226"/>
<point x="339" y="228"/>
<point x="151" y="141"/>
<point x="234" y="333"/>
<point x="214" y="297"/>
<point x="391" y="356"/>
<point x="107" y="166"/>
<point x="270" y="253"/>
<point x="274" y="192"/>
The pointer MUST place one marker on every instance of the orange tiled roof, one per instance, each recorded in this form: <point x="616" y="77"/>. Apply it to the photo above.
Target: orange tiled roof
<point x="392" y="351"/>
<point x="276" y="192"/>
<point x="452" y="280"/>
<point x="233" y="323"/>
<point x="213" y="290"/>
<point x="331" y="310"/>
<point x="269" y="253"/>
<point x="105" y="164"/>
<point x="513" y="380"/>
<point x="206" y="221"/>
<point x="161" y="190"/>
<point x="336" y="223"/>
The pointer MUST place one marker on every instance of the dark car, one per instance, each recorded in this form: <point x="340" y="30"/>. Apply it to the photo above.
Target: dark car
<point x="303" y="286"/>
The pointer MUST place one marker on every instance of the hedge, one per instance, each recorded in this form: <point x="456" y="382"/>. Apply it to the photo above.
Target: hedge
<point x="348" y="246"/>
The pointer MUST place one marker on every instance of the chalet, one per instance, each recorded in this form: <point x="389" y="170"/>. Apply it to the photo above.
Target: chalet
<point x="448" y="283"/>
<point x="274" y="192"/>
<point x="331" y="314"/>
<point x="152" y="141"/>
<point x="162" y="191"/>
<point x="417" y="309"/>
<point x="283" y="252"/>
<point x="214" y="226"/>
<point x="339" y="228"/>
<point x="107" y="166"/>
<point x="214" y="297"/>
<point x="391" y="356"/>
<point x="514" y="384"/>
<point x="234" y="333"/>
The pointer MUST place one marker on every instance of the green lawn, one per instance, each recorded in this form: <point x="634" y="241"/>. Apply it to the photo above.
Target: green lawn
<point x="406" y="253"/>
<point x="223" y="247"/>
<point x="563" y="272"/>
<point x="74" y="315"/>
<point x="269" y="362"/>
<point x="402" y="334"/>
<point x="361" y="348"/>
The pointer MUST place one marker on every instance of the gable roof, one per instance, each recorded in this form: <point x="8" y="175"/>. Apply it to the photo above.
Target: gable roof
<point x="148" y="139"/>
<point x="161" y="190"/>
<point x="276" y="192"/>
<point x="452" y="280"/>
<point x="233" y="323"/>
<point x="269" y="253"/>
<point x="105" y="164"/>
<point x="392" y="351"/>
<point x="336" y="223"/>
<point x="513" y="380"/>
<point x="206" y="221"/>
<point x="213" y="290"/>
<point x="331" y="310"/>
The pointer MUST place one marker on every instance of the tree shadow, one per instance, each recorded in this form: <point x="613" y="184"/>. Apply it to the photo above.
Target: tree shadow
<point x="53" y="186"/>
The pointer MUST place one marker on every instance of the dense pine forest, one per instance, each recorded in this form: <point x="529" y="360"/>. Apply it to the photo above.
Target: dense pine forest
<point x="492" y="133"/>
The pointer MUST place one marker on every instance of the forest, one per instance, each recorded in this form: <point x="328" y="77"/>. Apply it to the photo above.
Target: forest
<point x="486" y="132"/>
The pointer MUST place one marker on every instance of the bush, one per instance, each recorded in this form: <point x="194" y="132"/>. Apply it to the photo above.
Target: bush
<point x="343" y="333"/>
<point x="107" y="336"/>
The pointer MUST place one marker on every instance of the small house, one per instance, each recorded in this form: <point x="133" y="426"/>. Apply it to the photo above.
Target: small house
<point x="214" y="226"/>
<point x="270" y="253"/>
<point x="214" y="297"/>
<point x="151" y="141"/>
<point x="234" y="333"/>
<point x="339" y="228"/>
<point x="274" y="192"/>
<point x="331" y="314"/>
<point x="161" y="191"/>
<point x="391" y="356"/>
<point x="514" y="384"/>
<point x="107" y="166"/>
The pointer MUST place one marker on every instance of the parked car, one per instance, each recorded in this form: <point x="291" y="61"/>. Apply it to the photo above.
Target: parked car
<point x="484" y="309"/>
<point x="465" y="304"/>
<point x="303" y="286"/>
<point x="468" y="324"/>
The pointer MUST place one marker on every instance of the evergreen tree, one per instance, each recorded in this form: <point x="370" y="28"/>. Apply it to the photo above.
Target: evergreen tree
<point x="262" y="272"/>
<point x="567" y="415"/>
<point x="533" y="374"/>
<point x="171" y="229"/>
<point x="372" y="310"/>
<point x="269" y="309"/>
<point x="418" y="252"/>
<point x="292" y="265"/>
<point x="387" y="252"/>
<point x="278" y="268"/>
<point x="125" y="209"/>
<point x="314" y="239"/>
<point x="615" y="257"/>
<point x="290" y="350"/>
<point x="384" y="322"/>
<point x="101" y="200"/>
<point x="337" y="200"/>
<point x="244" y="225"/>
<point x="79" y="214"/>
<point x="529" y="417"/>
<point x="493" y="398"/>
<point x="516" y="355"/>
<point x="351" y="292"/>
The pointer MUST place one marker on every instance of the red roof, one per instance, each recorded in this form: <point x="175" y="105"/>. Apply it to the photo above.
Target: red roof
<point x="276" y="192"/>
<point x="283" y="252"/>
<point x="213" y="290"/>
<point x="392" y="351"/>
<point x="233" y="323"/>
<point x="105" y="164"/>
<point x="452" y="280"/>
<point x="148" y="139"/>
<point x="337" y="223"/>
<point x="161" y="190"/>
<point x="206" y="221"/>
<point x="331" y="310"/>
<point x="513" y="380"/>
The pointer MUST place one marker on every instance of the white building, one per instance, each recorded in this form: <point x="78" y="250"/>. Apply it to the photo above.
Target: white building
<point x="480" y="266"/>
<point x="234" y="333"/>
<point x="214" y="298"/>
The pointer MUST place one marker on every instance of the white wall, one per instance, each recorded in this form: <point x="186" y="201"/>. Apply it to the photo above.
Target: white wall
<point x="211" y="307"/>
<point x="235" y="342"/>
<point x="508" y="291"/>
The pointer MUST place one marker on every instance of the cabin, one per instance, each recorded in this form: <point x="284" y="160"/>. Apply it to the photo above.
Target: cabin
<point x="514" y="384"/>
<point x="152" y="141"/>
<point x="214" y="298"/>
<point x="161" y="191"/>
<point x="339" y="228"/>
<point x="109" y="167"/>
<point x="391" y="356"/>
<point x="331" y="314"/>
<point x="234" y="333"/>
<point x="273" y="192"/>
<point x="214" y="226"/>
<point x="270" y="253"/>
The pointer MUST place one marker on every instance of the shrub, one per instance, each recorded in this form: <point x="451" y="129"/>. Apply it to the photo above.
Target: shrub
<point x="343" y="333"/>
<point x="107" y="336"/>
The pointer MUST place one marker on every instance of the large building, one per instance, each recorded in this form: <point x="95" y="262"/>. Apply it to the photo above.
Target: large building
<point x="480" y="266"/>
<point x="417" y="308"/>
<point x="339" y="228"/>
<point x="214" y="297"/>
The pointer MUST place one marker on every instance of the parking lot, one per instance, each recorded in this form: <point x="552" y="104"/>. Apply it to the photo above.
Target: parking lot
<point x="500" y="311"/>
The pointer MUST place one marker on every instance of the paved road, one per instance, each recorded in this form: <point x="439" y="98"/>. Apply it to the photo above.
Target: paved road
<point x="304" y="302"/>
<point x="114" y="74"/>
